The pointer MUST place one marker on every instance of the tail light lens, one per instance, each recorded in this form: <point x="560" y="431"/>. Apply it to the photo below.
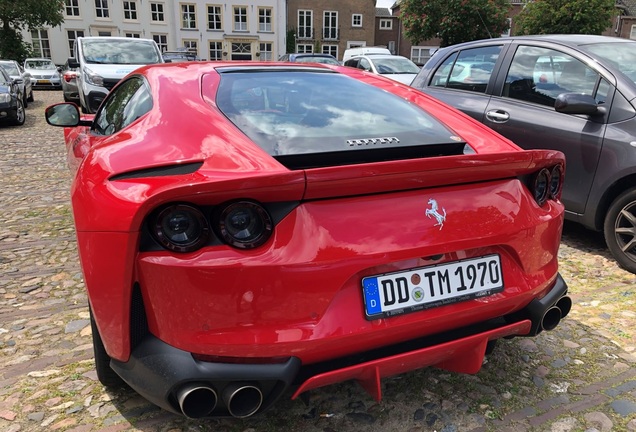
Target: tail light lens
<point x="181" y="228"/>
<point x="547" y="184"/>
<point x="244" y="224"/>
<point x="556" y="182"/>
<point x="541" y="186"/>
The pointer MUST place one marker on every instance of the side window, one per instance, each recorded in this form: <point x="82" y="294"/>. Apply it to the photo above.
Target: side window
<point x="539" y="75"/>
<point x="123" y="106"/>
<point x="470" y="69"/>
<point x="364" y="64"/>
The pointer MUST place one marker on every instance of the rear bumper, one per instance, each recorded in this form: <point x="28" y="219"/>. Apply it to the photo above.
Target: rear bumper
<point x="166" y="375"/>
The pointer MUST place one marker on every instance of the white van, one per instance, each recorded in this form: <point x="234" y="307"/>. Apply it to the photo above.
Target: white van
<point x="365" y="50"/>
<point x="101" y="61"/>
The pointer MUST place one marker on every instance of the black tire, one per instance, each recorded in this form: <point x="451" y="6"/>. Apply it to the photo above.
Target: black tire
<point x="20" y="115"/>
<point x="25" y="101"/>
<point x="105" y="374"/>
<point x="620" y="230"/>
<point x="490" y="347"/>
<point x="30" y="98"/>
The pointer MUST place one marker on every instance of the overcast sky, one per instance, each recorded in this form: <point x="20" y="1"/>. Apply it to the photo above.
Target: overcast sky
<point x="384" y="3"/>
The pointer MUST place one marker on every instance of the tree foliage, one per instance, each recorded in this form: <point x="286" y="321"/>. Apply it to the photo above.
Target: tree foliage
<point x="17" y="15"/>
<point x="565" y="17"/>
<point x="453" y="21"/>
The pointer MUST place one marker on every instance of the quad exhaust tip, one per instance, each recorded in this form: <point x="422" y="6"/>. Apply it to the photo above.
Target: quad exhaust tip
<point x="196" y="400"/>
<point x="242" y="400"/>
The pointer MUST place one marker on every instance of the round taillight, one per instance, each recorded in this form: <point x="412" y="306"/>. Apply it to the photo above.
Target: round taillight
<point x="244" y="224"/>
<point x="181" y="228"/>
<point x="541" y="186"/>
<point x="556" y="182"/>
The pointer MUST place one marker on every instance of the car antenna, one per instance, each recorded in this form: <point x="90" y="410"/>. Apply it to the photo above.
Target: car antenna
<point x="485" y="26"/>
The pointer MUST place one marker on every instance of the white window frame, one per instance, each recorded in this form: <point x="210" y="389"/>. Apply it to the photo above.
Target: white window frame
<point x="632" y="33"/>
<point x="188" y="16"/>
<point x="101" y="9"/>
<point x="71" y="35"/>
<point x="353" y="20"/>
<point x="305" y="28"/>
<point x="305" y="48"/>
<point x="265" y="17"/>
<point x="330" y="49"/>
<point x="162" y="41"/>
<point x="73" y="7"/>
<point x="239" y="18"/>
<point x="215" y="17"/>
<point x="420" y="54"/>
<point x="266" y="51"/>
<point x="215" y="50"/>
<point x="157" y="12"/>
<point x="386" y="24"/>
<point x="191" y="45"/>
<point x="41" y="43"/>
<point x="130" y="10"/>
<point x="330" y="25"/>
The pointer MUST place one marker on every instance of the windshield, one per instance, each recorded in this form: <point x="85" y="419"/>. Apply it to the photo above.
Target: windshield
<point x="10" y="68"/>
<point x="39" y="64"/>
<point x="300" y="112"/>
<point x="117" y="51"/>
<point x="317" y="59"/>
<point x="621" y="55"/>
<point x="395" y="65"/>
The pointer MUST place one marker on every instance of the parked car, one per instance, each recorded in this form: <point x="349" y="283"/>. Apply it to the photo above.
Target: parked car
<point x="365" y="50"/>
<point x="179" y="56"/>
<point x="101" y="61"/>
<point x="258" y="228"/>
<point x="397" y="68"/>
<point x="310" y="58"/>
<point x="572" y="93"/>
<point x="11" y="105"/>
<point x="15" y="71"/>
<point x="43" y="73"/>
<point x="69" y="83"/>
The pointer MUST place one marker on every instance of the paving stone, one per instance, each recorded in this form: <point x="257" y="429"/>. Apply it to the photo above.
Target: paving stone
<point x="563" y="380"/>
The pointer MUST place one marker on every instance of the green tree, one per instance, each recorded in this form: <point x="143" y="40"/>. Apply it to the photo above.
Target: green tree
<point x="16" y="15"/>
<point x="454" y="21"/>
<point x="565" y="16"/>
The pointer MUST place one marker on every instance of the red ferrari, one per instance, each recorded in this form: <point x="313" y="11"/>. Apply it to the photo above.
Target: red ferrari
<point x="250" y="229"/>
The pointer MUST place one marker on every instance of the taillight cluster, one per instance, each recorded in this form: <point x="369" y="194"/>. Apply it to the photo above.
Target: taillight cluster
<point x="183" y="227"/>
<point x="547" y="184"/>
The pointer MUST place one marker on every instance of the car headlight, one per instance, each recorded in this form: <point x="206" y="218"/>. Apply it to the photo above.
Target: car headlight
<point x="93" y="78"/>
<point x="244" y="224"/>
<point x="5" y="97"/>
<point x="180" y="228"/>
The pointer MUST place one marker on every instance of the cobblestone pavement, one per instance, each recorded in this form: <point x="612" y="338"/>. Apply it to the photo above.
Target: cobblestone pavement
<point x="579" y="377"/>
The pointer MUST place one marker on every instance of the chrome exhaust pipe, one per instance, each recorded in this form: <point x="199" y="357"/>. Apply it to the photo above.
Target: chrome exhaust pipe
<point x="551" y="318"/>
<point x="565" y="305"/>
<point x="196" y="400"/>
<point x="242" y="400"/>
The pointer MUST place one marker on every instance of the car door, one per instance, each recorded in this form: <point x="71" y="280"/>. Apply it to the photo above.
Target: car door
<point x="522" y="109"/>
<point x="464" y="78"/>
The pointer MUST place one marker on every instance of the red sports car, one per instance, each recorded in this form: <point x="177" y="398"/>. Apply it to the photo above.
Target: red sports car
<point x="246" y="229"/>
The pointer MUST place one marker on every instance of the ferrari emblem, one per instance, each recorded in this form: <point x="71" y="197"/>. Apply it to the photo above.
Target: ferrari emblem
<point x="434" y="212"/>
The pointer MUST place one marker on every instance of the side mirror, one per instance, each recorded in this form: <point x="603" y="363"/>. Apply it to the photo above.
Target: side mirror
<point x="63" y="114"/>
<point x="577" y="103"/>
<point x="18" y="81"/>
<point x="73" y="63"/>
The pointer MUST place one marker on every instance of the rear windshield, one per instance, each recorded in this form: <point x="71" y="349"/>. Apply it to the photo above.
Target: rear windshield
<point x="301" y="112"/>
<point x="116" y="51"/>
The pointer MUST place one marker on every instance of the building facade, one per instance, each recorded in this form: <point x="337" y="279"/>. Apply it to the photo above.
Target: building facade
<point x="241" y="30"/>
<point x="330" y="26"/>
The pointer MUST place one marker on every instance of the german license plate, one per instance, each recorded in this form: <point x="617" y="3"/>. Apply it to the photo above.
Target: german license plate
<point x="426" y="287"/>
<point x="43" y="81"/>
